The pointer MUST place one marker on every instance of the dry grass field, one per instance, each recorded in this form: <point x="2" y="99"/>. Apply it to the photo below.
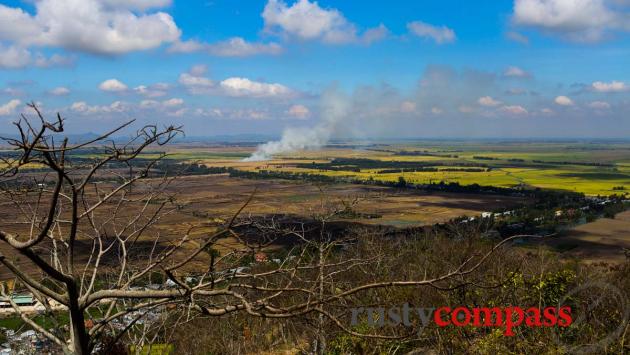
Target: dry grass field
<point x="208" y="200"/>
<point x="601" y="240"/>
<point x="219" y="196"/>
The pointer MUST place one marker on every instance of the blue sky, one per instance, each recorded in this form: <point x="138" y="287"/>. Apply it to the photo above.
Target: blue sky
<point x="523" y="68"/>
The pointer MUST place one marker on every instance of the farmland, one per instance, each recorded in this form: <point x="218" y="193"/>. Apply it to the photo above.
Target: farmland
<point x="435" y="198"/>
<point x="592" y="168"/>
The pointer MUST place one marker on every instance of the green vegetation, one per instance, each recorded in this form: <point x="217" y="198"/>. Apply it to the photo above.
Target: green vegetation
<point x="599" y="168"/>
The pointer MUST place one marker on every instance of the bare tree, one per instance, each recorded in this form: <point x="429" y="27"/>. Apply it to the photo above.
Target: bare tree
<point x="89" y="246"/>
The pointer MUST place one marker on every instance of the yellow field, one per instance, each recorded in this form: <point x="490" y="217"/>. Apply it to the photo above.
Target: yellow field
<point x="590" y="180"/>
<point x="564" y="166"/>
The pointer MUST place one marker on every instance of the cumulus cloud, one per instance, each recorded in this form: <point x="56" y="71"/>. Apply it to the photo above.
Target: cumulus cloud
<point x="233" y="47"/>
<point x="243" y="87"/>
<point x="439" y="34"/>
<point x="165" y="105"/>
<point x="613" y="86"/>
<point x="59" y="91"/>
<point x="112" y="85"/>
<point x="515" y="72"/>
<point x="152" y="91"/>
<point x="599" y="105"/>
<point x="84" y="108"/>
<point x="15" y="57"/>
<point x="106" y="27"/>
<point x="149" y="104"/>
<point x="306" y="20"/>
<point x="488" y="101"/>
<point x="173" y="102"/>
<point x="195" y="82"/>
<point x="299" y="111"/>
<point x="563" y="101"/>
<point x="9" y="107"/>
<point x="514" y="110"/>
<point x="238" y="47"/>
<point x="374" y="34"/>
<point x="576" y="20"/>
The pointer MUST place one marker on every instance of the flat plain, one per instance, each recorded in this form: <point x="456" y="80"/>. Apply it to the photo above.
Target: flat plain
<point x="592" y="168"/>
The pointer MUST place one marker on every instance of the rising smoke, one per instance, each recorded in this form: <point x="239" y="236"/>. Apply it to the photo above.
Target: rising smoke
<point x="336" y="109"/>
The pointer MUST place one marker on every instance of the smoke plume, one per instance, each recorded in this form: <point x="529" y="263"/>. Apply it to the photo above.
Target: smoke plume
<point x="335" y="110"/>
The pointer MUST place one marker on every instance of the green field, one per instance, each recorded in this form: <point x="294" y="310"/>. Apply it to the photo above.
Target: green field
<point x="592" y="168"/>
<point x="599" y="168"/>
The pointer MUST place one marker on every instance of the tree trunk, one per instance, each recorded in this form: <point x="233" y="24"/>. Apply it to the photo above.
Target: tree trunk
<point x="80" y="340"/>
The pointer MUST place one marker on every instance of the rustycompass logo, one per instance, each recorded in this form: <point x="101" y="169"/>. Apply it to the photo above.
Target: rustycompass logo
<point x="506" y="318"/>
<point x="589" y="300"/>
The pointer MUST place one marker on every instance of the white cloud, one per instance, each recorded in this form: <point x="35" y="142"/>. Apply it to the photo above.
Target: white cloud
<point x="112" y="85"/>
<point x="101" y="27"/>
<point x="173" y="102"/>
<point x="9" y="107"/>
<point x="60" y="91"/>
<point x="515" y="72"/>
<point x="189" y="46"/>
<point x="306" y="20"/>
<point x="238" y="47"/>
<point x="547" y="111"/>
<point x="576" y="20"/>
<point x="436" y="110"/>
<point x="408" y="106"/>
<point x="440" y="35"/>
<point x="238" y="114"/>
<point x="233" y="47"/>
<point x="198" y="70"/>
<point x="563" y="101"/>
<point x="514" y="109"/>
<point x="178" y="113"/>
<point x="243" y="87"/>
<point x="137" y="4"/>
<point x="164" y="105"/>
<point x="13" y="57"/>
<point x="195" y="81"/>
<point x="517" y="37"/>
<point x="299" y="112"/>
<point x="599" y="105"/>
<point x="488" y="101"/>
<point x="115" y="107"/>
<point x="56" y="60"/>
<point x="149" y="104"/>
<point x="613" y="86"/>
<point x="152" y="91"/>
<point x="374" y="34"/>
